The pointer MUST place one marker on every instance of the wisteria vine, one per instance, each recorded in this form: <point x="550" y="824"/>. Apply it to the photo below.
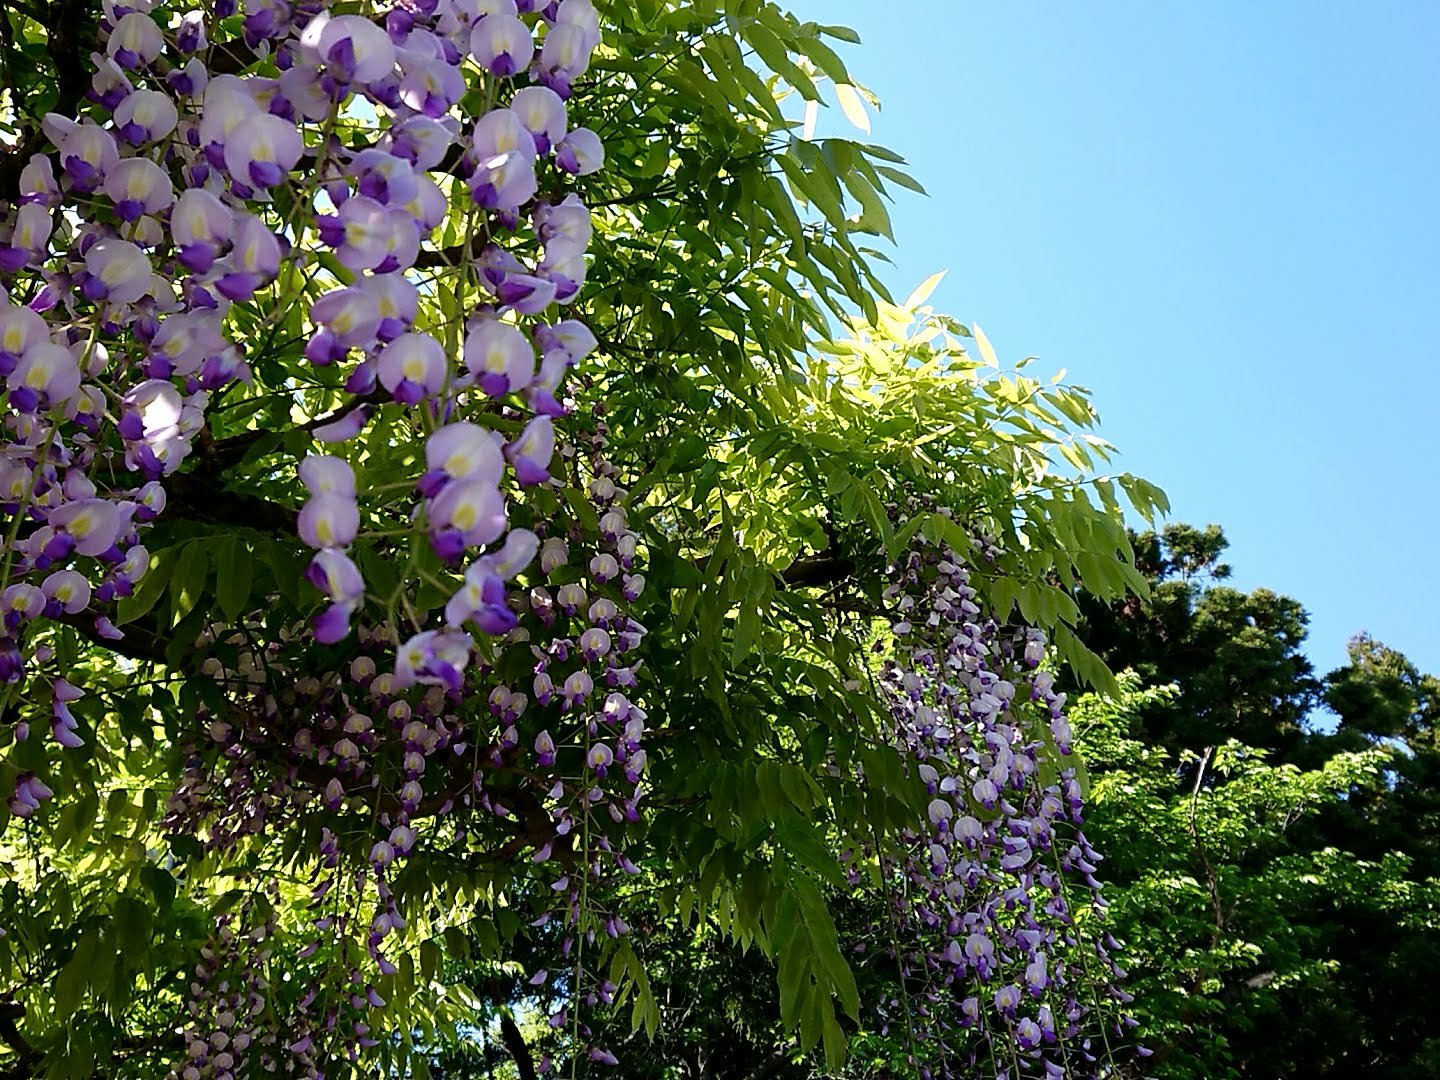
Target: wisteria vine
<point x="206" y="172"/>
<point x="999" y="960"/>
<point x="492" y="685"/>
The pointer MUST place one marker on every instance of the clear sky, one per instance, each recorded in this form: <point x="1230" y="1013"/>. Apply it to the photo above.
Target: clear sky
<point x="1224" y="218"/>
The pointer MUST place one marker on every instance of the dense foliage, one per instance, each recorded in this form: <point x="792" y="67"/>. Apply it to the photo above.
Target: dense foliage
<point x="1278" y="898"/>
<point x="1272" y="835"/>
<point x="473" y="512"/>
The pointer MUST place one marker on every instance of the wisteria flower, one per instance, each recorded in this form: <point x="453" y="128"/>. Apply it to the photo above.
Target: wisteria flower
<point x="542" y="112"/>
<point x="135" y="41"/>
<point x="396" y="299"/>
<point x="504" y="153"/>
<point x="460" y="451"/>
<point x="502" y="44"/>
<point x="85" y="527"/>
<point x="67" y="592"/>
<point x="464" y="514"/>
<point x="413" y="367"/>
<point x="138" y="186"/>
<point x="325" y="474"/>
<point x="429" y="85"/>
<point x="116" y="271"/>
<point x="334" y="574"/>
<point x="30" y="238"/>
<point x="87" y="151"/>
<point x="361" y="232"/>
<point x="329" y="521"/>
<point x="260" y="152"/>
<point x="145" y="116"/>
<point x="356" y="49"/>
<point x="201" y="226"/>
<point x="434" y="658"/>
<point x="500" y="357"/>
<point x="20" y="328"/>
<point x="581" y="152"/>
<point x="564" y="228"/>
<point x="349" y="317"/>
<point x="47" y="375"/>
<point x="253" y="262"/>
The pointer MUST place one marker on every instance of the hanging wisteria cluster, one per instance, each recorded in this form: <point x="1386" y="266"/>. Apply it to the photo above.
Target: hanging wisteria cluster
<point x="997" y="914"/>
<point x="558" y="759"/>
<point x="184" y="190"/>
<point x="189" y="187"/>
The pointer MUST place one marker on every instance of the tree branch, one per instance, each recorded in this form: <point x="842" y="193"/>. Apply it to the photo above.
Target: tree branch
<point x="817" y="570"/>
<point x="773" y="1064"/>
<point x="29" y="1057"/>
<point x="1212" y="881"/>
<point x="142" y="641"/>
<point x="198" y="494"/>
<point x="71" y="36"/>
<point x="515" y="1044"/>
<point x="198" y="497"/>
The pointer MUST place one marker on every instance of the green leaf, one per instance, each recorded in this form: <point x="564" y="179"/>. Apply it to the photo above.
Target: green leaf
<point x="234" y="573"/>
<point x="841" y="33"/>
<point x="161" y="884"/>
<point x="825" y="59"/>
<point x="777" y="59"/>
<point x="792" y="967"/>
<point x="852" y="106"/>
<point x="187" y="581"/>
<point x="804" y="843"/>
<point x="923" y="290"/>
<point x="74" y="977"/>
<point x="149" y="589"/>
<point x="904" y="179"/>
<point x="987" y="351"/>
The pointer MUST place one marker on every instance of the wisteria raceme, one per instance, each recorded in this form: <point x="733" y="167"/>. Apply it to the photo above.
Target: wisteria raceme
<point x="997" y="914"/>
<point x="189" y="187"/>
<point x="576" y="755"/>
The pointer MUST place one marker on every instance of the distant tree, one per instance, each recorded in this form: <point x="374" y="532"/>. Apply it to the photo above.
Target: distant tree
<point x="1234" y="656"/>
<point x="1275" y="836"/>
<point x="1253" y="954"/>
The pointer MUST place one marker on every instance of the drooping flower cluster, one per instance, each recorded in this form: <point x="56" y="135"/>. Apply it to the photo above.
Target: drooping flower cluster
<point x="191" y="188"/>
<point x="228" y="992"/>
<point x="589" y="672"/>
<point x="997" y="910"/>
<point x="553" y="769"/>
<point x="184" y="189"/>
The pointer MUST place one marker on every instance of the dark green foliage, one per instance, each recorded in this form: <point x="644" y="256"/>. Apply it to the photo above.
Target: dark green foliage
<point x="1234" y="656"/>
<point x="1274" y="865"/>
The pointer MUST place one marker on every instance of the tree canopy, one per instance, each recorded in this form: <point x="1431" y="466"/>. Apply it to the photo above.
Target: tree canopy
<point x="1271" y="833"/>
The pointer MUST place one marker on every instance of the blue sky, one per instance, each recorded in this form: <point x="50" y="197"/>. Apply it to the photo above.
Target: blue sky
<point x="1223" y="218"/>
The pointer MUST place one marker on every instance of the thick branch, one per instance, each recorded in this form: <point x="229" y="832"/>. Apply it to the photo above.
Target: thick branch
<point x="773" y="1064"/>
<point x="198" y="494"/>
<point x="71" y="30"/>
<point x="141" y="641"/>
<point x="11" y="1011"/>
<point x="515" y="1044"/>
<point x="818" y="570"/>
<point x="453" y="256"/>
<point x="197" y="497"/>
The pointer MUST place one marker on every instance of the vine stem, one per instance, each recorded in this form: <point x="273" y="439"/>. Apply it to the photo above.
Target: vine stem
<point x="580" y="912"/>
